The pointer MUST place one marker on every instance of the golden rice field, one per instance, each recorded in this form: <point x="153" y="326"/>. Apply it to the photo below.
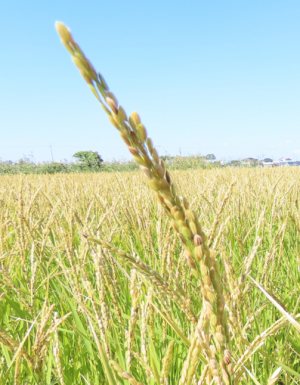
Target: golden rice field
<point x="99" y="286"/>
<point x="105" y="282"/>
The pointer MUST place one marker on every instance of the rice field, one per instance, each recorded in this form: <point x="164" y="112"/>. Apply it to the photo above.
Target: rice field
<point x="125" y="278"/>
<point x="99" y="286"/>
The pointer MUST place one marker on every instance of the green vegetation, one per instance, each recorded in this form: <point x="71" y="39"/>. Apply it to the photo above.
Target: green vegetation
<point x="88" y="160"/>
<point x="96" y="164"/>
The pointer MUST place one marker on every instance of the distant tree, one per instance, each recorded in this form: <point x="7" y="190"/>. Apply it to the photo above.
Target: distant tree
<point x="54" y="167"/>
<point x="235" y="163"/>
<point x="210" y="157"/>
<point x="88" y="160"/>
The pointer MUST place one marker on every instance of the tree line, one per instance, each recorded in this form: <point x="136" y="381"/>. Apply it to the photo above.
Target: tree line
<point x="91" y="161"/>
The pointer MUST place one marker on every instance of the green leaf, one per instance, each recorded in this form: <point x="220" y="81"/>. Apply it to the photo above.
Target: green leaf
<point x="284" y="366"/>
<point x="104" y="360"/>
<point x="16" y="306"/>
<point x="4" y="378"/>
<point x="119" y="352"/>
<point x="155" y="365"/>
<point x="49" y="365"/>
<point x="81" y="329"/>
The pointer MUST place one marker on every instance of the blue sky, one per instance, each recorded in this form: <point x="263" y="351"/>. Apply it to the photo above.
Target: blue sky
<point x="218" y="77"/>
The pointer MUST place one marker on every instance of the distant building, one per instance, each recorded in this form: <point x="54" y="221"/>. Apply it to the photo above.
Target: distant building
<point x="282" y="162"/>
<point x="287" y="162"/>
<point x="268" y="164"/>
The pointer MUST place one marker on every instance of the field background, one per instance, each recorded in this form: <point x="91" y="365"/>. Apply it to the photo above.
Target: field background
<point x="118" y="309"/>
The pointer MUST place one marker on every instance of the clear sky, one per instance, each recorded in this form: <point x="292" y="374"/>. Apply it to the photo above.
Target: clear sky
<point x="218" y="77"/>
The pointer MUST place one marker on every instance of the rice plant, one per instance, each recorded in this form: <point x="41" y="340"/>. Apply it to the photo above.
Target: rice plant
<point x="149" y="279"/>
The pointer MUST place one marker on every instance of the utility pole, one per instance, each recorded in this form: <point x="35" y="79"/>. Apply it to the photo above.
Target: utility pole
<point x="51" y="152"/>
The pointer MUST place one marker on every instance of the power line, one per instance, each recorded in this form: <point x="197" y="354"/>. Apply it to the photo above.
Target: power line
<point x="51" y="153"/>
